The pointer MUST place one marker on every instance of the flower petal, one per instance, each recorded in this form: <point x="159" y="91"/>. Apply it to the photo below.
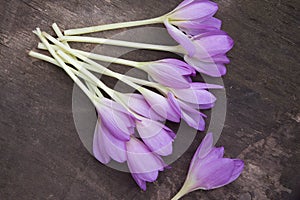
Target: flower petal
<point x="156" y="136"/>
<point x="195" y="96"/>
<point x="182" y="67"/>
<point x="216" y="174"/>
<point x="115" y="148"/>
<point x="161" y="105"/>
<point x="166" y="74"/>
<point x="196" y="27"/>
<point x="99" y="150"/>
<point x="141" y="183"/>
<point x="141" y="161"/>
<point x="203" y="86"/>
<point x="181" y="38"/>
<point x="205" y="147"/>
<point x="194" y="10"/>
<point x="192" y="117"/>
<point x="211" y="69"/>
<point x="138" y="104"/>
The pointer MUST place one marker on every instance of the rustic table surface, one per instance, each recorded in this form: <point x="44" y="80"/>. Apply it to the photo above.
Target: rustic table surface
<point x="42" y="157"/>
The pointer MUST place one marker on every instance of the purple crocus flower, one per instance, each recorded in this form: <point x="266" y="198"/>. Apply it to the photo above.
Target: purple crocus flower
<point x="143" y="164"/>
<point x="161" y="105"/>
<point x="191" y="17"/>
<point x="210" y="53"/>
<point x="156" y="136"/>
<point x="209" y="170"/>
<point x="117" y="120"/>
<point x="169" y="72"/>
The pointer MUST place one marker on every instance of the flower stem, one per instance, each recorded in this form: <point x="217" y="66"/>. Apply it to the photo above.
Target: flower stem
<point x="137" y="45"/>
<point x="106" y="27"/>
<point x="65" y="67"/>
<point x="183" y="191"/>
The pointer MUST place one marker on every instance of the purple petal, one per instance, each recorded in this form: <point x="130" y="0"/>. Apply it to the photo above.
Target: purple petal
<point x="161" y="106"/>
<point x="202" y="86"/>
<point x="211" y="69"/>
<point x="141" y="183"/>
<point x="192" y="117"/>
<point x="195" y="27"/>
<point x="181" y="38"/>
<point x="195" y="96"/>
<point x="116" y="118"/>
<point x="174" y="104"/>
<point x="98" y="149"/>
<point x="115" y="148"/>
<point x="182" y="67"/>
<point x="216" y="174"/>
<point x="195" y="10"/>
<point x="214" y="43"/>
<point x="138" y="104"/>
<point x="205" y="147"/>
<point x="183" y="4"/>
<point x="206" y="106"/>
<point x="238" y="168"/>
<point x="117" y="123"/>
<point x="156" y="136"/>
<point x="141" y="161"/>
<point x="166" y="74"/>
<point x="221" y="58"/>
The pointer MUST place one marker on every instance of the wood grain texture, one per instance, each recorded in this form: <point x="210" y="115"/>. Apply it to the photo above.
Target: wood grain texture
<point x="41" y="156"/>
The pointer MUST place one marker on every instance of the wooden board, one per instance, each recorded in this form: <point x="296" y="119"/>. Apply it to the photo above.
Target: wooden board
<point x="42" y="157"/>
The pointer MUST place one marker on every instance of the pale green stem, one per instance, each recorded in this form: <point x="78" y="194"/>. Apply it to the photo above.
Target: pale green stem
<point x="102" y="69"/>
<point x="65" y="67"/>
<point x="112" y="93"/>
<point x="137" y="45"/>
<point x="183" y="191"/>
<point x="53" y="61"/>
<point x="106" y="27"/>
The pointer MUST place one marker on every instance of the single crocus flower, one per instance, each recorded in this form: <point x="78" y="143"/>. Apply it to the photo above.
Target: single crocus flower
<point x="169" y="72"/>
<point x="209" y="170"/>
<point x="210" y="54"/>
<point x="118" y="121"/>
<point x="192" y="17"/>
<point x="143" y="164"/>
<point x="156" y="136"/>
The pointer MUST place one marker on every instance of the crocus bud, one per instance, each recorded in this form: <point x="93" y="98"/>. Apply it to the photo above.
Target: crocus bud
<point x="209" y="170"/>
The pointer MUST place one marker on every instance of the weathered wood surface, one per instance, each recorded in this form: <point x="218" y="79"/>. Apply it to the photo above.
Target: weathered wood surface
<point x="41" y="156"/>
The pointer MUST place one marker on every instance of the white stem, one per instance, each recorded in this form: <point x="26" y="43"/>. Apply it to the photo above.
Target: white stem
<point x="106" y="27"/>
<point x="95" y="67"/>
<point x="65" y="67"/>
<point x="137" y="45"/>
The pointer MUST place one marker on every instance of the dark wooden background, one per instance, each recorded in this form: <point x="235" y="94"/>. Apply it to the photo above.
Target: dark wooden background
<point x="41" y="156"/>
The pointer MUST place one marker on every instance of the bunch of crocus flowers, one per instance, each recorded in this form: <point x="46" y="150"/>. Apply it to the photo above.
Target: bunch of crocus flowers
<point x="130" y="126"/>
